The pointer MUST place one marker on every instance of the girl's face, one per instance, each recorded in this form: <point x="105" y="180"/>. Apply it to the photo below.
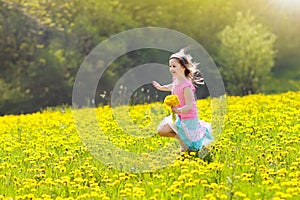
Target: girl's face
<point x="176" y="69"/>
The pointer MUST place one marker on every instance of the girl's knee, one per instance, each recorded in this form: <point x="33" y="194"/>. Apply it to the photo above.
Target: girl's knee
<point x="166" y="134"/>
<point x="160" y="132"/>
<point x="165" y="131"/>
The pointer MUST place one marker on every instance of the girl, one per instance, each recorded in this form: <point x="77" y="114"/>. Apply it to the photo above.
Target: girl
<point x="192" y="133"/>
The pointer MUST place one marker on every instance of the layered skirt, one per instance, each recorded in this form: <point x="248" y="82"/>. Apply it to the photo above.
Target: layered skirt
<point x="194" y="133"/>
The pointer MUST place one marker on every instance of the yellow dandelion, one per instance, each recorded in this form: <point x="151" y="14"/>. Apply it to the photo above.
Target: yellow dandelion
<point x="240" y="194"/>
<point x="172" y="101"/>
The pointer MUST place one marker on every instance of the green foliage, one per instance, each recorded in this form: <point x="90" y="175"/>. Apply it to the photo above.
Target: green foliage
<point x="9" y="93"/>
<point x="32" y="75"/>
<point x="43" y="43"/>
<point x="246" y="55"/>
<point x="56" y="14"/>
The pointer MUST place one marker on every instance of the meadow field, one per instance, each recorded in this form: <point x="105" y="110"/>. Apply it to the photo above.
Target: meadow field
<point x="255" y="157"/>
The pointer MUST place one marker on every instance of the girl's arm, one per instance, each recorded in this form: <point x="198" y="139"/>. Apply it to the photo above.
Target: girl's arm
<point x="162" y="87"/>
<point x="188" y="97"/>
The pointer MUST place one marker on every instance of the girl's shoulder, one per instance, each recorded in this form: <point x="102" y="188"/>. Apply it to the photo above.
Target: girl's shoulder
<point x="184" y="84"/>
<point x="188" y="83"/>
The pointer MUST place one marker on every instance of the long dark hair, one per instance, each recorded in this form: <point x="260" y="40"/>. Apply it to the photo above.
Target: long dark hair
<point x="191" y="71"/>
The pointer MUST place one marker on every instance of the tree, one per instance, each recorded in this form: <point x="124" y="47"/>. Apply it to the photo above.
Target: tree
<point x="32" y="73"/>
<point x="246" y="55"/>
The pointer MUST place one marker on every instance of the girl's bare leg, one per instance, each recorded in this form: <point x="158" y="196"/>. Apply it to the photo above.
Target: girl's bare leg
<point x="183" y="147"/>
<point x="167" y="131"/>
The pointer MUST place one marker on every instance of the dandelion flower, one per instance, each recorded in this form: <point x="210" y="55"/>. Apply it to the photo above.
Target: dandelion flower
<point x="172" y="101"/>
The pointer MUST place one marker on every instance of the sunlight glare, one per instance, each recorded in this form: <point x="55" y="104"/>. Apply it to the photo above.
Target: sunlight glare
<point x="288" y="3"/>
<point x="289" y="7"/>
